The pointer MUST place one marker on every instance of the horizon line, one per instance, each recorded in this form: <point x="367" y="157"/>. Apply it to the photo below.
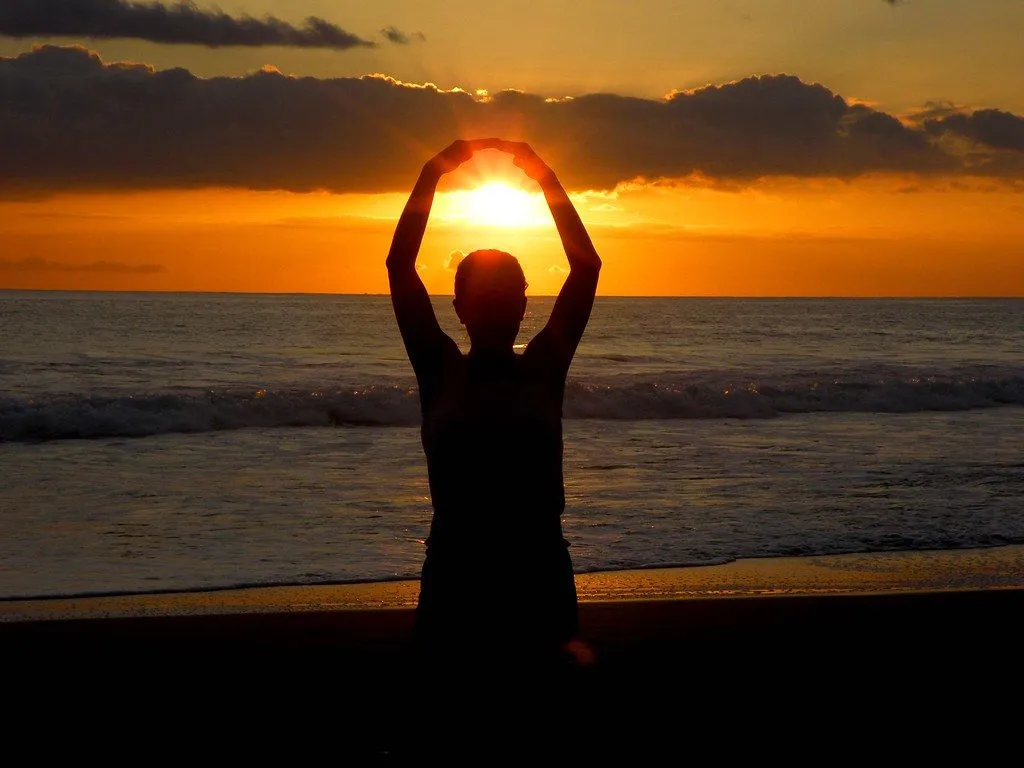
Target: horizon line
<point x="952" y="297"/>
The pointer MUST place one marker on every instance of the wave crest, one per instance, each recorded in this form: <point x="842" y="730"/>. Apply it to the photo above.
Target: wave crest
<point x="142" y="415"/>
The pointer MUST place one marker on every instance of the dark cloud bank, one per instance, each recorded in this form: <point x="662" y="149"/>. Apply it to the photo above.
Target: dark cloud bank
<point x="69" y="121"/>
<point x="178" y="22"/>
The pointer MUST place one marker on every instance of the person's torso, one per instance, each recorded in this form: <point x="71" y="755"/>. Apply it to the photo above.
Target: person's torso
<point x="492" y="434"/>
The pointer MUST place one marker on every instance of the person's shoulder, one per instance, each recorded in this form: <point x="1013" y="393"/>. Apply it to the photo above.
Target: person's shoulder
<point x="541" y="354"/>
<point x="443" y="357"/>
<point x="535" y="347"/>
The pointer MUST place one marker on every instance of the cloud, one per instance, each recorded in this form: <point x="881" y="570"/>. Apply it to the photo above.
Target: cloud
<point x="934" y="110"/>
<point x="69" y="121"/>
<point x="36" y="264"/>
<point x="452" y="262"/>
<point x="989" y="141"/>
<point x="178" y="22"/>
<point x="991" y="128"/>
<point x="394" y="35"/>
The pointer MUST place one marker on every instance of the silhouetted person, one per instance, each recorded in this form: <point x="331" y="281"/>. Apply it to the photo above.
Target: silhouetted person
<point x="497" y="590"/>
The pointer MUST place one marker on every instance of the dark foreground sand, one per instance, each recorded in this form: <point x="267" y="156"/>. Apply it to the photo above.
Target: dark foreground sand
<point x="854" y="655"/>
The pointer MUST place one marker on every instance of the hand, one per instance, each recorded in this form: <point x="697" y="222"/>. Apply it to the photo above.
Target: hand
<point x="457" y="153"/>
<point x="525" y="158"/>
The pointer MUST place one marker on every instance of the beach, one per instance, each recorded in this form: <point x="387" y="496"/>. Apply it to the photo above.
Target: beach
<point x="210" y="539"/>
<point x="843" y="642"/>
<point x="965" y="570"/>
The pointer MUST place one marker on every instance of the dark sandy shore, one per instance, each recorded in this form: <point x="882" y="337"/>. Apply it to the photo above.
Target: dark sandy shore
<point x="831" y="651"/>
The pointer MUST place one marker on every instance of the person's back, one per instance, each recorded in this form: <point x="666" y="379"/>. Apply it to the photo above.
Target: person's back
<point x="492" y="435"/>
<point x="497" y="585"/>
<point x="496" y="559"/>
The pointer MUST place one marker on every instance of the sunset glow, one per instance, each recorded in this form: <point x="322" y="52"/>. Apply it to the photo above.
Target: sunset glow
<point x="495" y="204"/>
<point x="747" y="153"/>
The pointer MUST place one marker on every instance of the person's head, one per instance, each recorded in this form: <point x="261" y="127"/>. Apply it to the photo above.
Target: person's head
<point x="490" y="297"/>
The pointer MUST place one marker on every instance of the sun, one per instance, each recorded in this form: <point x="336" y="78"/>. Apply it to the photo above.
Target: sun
<point x="497" y="204"/>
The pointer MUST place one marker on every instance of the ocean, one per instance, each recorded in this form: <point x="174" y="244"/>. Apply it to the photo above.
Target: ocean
<point x="155" y="442"/>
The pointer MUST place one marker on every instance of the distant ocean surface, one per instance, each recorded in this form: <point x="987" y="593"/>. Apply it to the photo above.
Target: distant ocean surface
<point x="153" y="442"/>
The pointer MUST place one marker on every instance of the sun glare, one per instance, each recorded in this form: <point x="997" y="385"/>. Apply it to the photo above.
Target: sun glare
<point x="497" y="204"/>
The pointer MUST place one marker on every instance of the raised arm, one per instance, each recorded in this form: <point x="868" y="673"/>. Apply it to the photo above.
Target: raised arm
<point x="420" y="330"/>
<point x="572" y="308"/>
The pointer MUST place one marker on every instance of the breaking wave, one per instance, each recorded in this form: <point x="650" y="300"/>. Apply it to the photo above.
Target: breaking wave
<point x="705" y="396"/>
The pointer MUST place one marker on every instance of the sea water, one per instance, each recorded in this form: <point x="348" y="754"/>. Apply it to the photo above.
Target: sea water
<point x="158" y="441"/>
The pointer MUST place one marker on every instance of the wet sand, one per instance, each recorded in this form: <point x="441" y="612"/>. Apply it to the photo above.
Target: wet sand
<point x="887" y="642"/>
<point x="940" y="570"/>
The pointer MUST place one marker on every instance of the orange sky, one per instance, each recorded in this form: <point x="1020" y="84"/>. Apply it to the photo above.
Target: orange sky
<point x="867" y="238"/>
<point x="889" y="163"/>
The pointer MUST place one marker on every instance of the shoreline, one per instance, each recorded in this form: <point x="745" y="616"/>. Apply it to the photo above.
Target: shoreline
<point x="995" y="568"/>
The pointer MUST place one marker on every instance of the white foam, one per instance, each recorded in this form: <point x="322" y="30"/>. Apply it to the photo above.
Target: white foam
<point x="699" y="396"/>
